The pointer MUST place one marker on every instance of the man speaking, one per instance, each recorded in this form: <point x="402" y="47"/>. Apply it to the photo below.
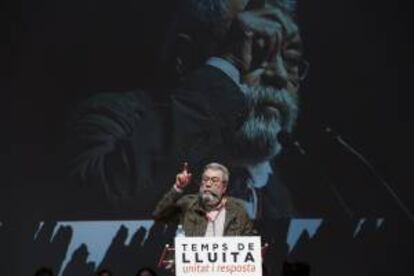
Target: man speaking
<point x="208" y="213"/>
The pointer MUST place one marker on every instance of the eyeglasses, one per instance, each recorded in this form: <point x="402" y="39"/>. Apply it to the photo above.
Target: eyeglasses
<point x="214" y="180"/>
<point x="298" y="70"/>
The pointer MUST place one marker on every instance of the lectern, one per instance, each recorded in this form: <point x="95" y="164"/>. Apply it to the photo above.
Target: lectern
<point x="205" y="256"/>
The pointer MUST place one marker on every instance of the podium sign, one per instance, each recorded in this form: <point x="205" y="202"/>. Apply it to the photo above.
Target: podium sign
<point x="235" y="256"/>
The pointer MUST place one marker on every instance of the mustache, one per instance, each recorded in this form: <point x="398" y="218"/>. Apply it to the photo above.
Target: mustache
<point x="283" y="103"/>
<point x="210" y="193"/>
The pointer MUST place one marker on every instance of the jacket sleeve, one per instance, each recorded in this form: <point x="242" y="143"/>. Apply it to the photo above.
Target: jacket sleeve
<point x="248" y="227"/>
<point x="206" y="110"/>
<point x="105" y="145"/>
<point x="170" y="207"/>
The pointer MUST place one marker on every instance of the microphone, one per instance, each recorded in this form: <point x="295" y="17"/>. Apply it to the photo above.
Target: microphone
<point x="337" y="137"/>
<point x="285" y="138"/>
<point x="299" y="147"/>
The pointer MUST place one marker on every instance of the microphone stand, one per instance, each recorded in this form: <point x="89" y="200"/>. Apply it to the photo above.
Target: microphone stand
<point x="371" y="168"/>
<point x="304" y="153"/>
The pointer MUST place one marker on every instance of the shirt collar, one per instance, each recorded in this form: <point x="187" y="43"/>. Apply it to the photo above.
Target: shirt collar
<point x="226" y="67"/>
<point x="213" y="214"/>
<point x="260" y="174"/>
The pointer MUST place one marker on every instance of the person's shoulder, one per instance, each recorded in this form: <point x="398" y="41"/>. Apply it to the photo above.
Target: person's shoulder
<point x="125" y="101"/>
<point x="236" y="203"/>
<point x="116" y="110"/>
<point x="208" y="76"/>
<point x="203" y="70"/>
<point x="188" y="199"/>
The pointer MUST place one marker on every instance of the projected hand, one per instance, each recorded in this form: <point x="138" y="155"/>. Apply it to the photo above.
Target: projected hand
<point x="256" y="35"/>
<point x="268" y="26"/>
<point x="183" y="178"/>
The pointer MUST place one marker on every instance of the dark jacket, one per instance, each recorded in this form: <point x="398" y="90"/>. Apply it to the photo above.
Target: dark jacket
<point x="187" y="210"/>
<point x="125" y="145"/>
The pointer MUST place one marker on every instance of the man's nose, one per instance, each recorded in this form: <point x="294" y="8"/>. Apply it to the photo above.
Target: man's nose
<point x="207" y="184"/>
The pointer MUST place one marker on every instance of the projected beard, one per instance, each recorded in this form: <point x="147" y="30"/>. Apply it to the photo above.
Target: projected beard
<point x="272" y="111"/>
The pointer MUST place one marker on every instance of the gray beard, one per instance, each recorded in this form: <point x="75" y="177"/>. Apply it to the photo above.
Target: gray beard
<point x="209" y="199"/>
<point x="257" y="140"/>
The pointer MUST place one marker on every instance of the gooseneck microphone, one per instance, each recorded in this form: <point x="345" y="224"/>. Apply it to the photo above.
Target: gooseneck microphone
<point x="338" y="138"/>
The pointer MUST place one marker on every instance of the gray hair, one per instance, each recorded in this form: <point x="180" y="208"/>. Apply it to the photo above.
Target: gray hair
<point x="219" y="167"/>
<point x="209" y="11"/>
<point x="211" y="17"/>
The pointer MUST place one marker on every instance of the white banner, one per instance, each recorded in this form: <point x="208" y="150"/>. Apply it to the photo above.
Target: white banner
<point x="235" y="256"/>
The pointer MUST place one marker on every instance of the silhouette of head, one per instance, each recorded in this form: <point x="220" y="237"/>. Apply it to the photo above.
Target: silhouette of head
<point x="295" y="269"/>
<point x="146" y="271"/>
<point x="104" y="272"/>
<point x="44" y="271"/>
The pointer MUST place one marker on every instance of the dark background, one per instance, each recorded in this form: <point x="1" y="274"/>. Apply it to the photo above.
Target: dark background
<point x="359" y="82"/>
<point x="59" y="52"/>
<point x="56" y="53"/>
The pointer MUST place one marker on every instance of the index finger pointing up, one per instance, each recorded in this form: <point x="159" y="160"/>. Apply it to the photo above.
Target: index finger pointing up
<point x="185" y="167"/>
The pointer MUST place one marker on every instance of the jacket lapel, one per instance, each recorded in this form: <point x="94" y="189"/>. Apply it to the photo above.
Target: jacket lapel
<point x="231" y="215"/>
<point x="197" y="220"/>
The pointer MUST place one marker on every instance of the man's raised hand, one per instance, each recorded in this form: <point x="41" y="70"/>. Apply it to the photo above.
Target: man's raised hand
<point x="183" y="178"/>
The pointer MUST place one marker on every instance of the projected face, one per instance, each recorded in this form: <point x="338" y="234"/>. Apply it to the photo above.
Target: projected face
<point x="273" y="96"/>
<point x="212" y="187"/>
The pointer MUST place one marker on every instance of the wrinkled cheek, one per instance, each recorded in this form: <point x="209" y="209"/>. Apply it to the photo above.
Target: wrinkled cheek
<point x="217" y="192"/>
